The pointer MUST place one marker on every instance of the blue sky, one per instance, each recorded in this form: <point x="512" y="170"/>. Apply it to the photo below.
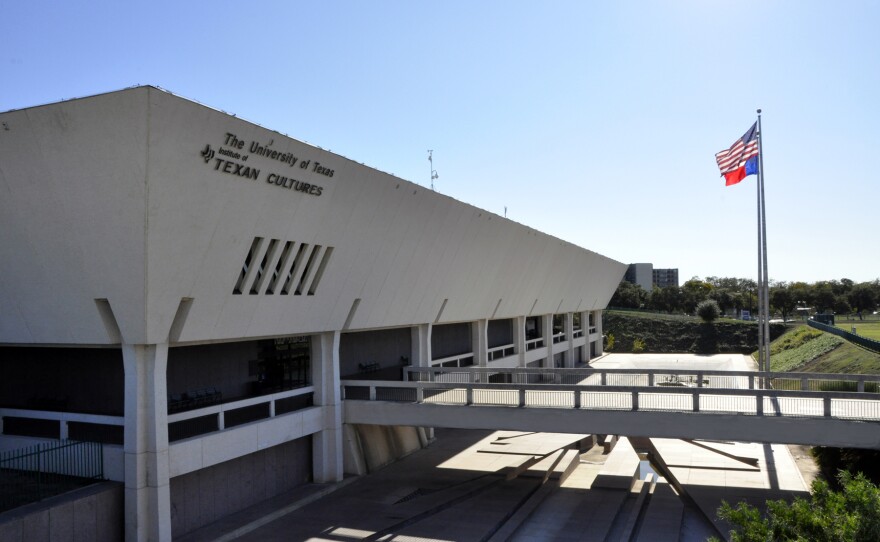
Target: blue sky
<point x="596" y="122"/>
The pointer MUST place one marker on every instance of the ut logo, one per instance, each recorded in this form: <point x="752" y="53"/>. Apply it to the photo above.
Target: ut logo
<point x="208" y="153"/>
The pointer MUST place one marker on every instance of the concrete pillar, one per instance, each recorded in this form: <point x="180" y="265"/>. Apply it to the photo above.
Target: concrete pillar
<point x="480" y="342"/>
<point x="147" y="489"/>
<point x="327" y="444"/>
<point x="569" y="334"/>
<point x="547" y="331"/>
<point x="597" y="315"/>
<point x="519" y="339"/>
<point x="421" y="345"/>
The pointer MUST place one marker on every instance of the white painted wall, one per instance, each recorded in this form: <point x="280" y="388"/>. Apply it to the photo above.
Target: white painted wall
<point x="109" y="197"/>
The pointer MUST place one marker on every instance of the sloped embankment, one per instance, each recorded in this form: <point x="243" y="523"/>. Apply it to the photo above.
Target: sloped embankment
<point x="663" y="335"/>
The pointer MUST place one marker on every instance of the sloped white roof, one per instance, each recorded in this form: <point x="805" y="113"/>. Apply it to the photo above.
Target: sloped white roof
<point x="137" y="197"/>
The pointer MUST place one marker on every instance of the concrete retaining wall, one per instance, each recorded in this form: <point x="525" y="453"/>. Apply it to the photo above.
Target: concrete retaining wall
<point x="370" y="447"/>
<point x="93" y="513"/>
<point x="206" y="495"/>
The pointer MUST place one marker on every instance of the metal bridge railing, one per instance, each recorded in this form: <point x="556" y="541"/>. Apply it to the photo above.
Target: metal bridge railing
<point x="852" y="406"/>
<point x="686" y="378"/>
<point x="36" y="472"/>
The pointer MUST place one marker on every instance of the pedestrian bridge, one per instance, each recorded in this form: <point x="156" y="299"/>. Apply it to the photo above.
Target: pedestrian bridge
<point x="783" y="408"/>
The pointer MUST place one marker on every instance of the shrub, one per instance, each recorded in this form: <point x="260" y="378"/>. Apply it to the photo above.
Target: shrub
<point x="638" y="345"/>
<point x="609" y="341"/>
<point x="708" y="310"/>
<point x="850" y="514"/>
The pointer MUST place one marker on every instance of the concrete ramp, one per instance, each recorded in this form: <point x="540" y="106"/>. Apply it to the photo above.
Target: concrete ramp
<point x="662" y="520"/>
<point x="556" y="466"/>
<point x="621" y="468"/>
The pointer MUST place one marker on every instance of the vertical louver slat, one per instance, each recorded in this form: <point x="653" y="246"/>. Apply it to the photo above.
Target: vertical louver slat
<point x="320" y="272"/>
<point x="275" y="266"/>
<point x="247" y="268"/>
<point x="305" y="274"/>
<point x="294" y="270"/>
<point x="263" y="270"/>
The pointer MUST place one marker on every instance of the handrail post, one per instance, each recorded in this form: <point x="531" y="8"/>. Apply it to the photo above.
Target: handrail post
<point x="696" y="396"/>
<point x="759" y="404"/>
<point x="372" y="393"/>
<point x="805" y="383"/>
<point x="604" y="378"/>
<point x="699" y="379"/>
<point x="221" y="420"/>
<point x="635" y="400"/>
<point x="751" y="382"/>
<point x="272" y="408"/>
<point x="577" y="399"/>
<point x="650" y="379"/>
<point x="469" y="396"/>
<point x="861" y="386"/>
<point x="522" y="397"/>
<point x="826" y="406"/>
<point x="420" y="394"/>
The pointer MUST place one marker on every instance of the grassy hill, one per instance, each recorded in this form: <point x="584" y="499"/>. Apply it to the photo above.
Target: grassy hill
<point x="804" y="349"/>
<point x="658" y="333"/>
<point x="795" y="348"/>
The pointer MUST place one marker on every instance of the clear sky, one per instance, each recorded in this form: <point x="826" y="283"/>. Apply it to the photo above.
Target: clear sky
<point x="596" y="122"/>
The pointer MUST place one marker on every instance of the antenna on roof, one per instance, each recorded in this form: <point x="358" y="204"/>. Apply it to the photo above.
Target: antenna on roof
<point x="433" y="171"/>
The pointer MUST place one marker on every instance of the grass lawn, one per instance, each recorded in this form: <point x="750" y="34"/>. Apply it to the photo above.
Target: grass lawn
<point x="804" y="349"/>
<point x="869" y="329"/>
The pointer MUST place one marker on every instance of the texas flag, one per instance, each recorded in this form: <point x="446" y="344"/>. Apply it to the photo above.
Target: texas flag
<point x="741" y="159"/>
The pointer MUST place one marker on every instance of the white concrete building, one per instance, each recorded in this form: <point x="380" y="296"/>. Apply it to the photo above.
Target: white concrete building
<point x="188" y="288"/>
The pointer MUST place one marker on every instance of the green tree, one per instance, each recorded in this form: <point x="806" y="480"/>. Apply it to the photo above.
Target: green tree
<point x="628" y="296"/>
<point x="708" y="310"/>
<point x="693" y="292"/>
<point x="862" y="297"/>
<point x="852" y="514"/>
<point x="782" y="299"/>
<point x="823" y="296"/>
<point x="666" y="299"/>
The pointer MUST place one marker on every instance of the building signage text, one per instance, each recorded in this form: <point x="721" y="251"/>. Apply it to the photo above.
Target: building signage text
<point x="232" y="158"/>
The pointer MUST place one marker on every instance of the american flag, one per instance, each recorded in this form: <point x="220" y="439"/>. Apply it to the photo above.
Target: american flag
<point x="739" y="153"/>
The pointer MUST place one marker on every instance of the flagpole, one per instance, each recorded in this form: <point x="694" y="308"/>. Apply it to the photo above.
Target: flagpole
<point x="766" y="286"/>
<point x="760" y="284"/>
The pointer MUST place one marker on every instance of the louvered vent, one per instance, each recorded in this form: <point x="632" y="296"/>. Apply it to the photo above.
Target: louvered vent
<point x="282" y="267"/>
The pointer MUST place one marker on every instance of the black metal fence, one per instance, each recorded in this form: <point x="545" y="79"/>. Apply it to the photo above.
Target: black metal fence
<point x="870" y="344"/>
<point x="37" y="472"/>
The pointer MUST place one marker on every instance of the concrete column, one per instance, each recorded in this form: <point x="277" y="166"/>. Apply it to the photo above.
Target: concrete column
<point x="547" y="330"/>
<point x="147" y="489"/>
<point x="421" y="345"/>
<point x="480" y="342"/>
<point x="327" y="444"/>
<point x="519" y="339"/>
<point x="569" y="334"/>
<point x="601" y="343"/>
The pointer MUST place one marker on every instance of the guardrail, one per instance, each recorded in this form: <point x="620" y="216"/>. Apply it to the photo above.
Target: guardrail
<point x="37" y="472"/>
<point x="181" y="425"/>
<point x="754" y="402"/>
<point x="870" y="344"/>
<point x="534" y="344"/>
<point x="213" y="418"/>
<point x="459" y="360"/>
<point x="715" y="379"/>
<point x="502" y="351"/>
<point x="62" y="425"/>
